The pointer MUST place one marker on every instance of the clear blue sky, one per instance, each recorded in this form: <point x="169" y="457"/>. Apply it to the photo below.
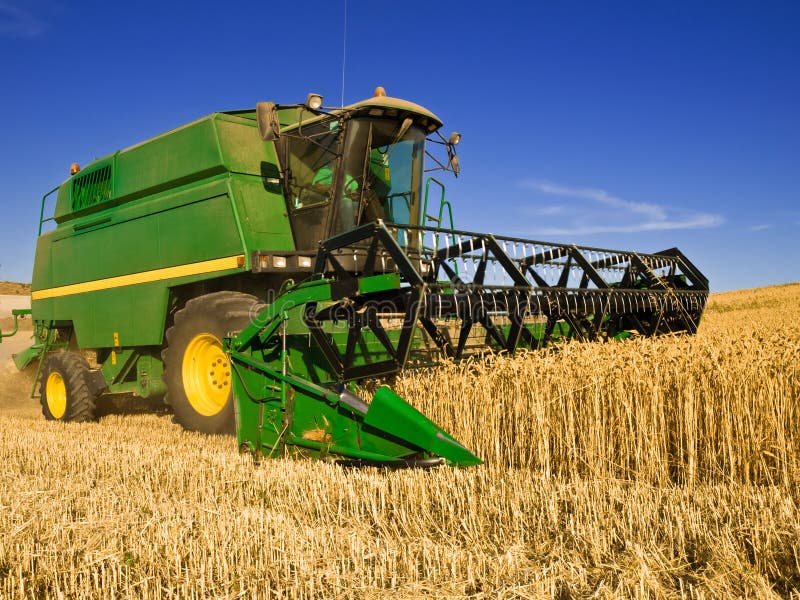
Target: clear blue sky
<point x="628" y="125"/>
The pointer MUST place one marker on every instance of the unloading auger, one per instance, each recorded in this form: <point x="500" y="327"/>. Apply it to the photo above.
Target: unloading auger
<point x="386" y="296"/>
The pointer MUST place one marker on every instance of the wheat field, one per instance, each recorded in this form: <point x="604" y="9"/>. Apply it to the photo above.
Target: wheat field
<point x="656" y="468"/>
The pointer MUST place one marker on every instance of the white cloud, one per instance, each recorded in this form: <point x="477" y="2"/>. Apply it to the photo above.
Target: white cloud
<point x="545" y="211"/>
<point x="16" y="21"/>
<point x="601" y="196"/>
<point x="626" y="216"/>
<point x="762" y="227"/>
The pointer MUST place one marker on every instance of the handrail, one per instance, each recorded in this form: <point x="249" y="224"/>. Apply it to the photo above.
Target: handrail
<point x="442" y="205"/>
<point x="425" y="214"/>
<point x="446" y="203"/>
<point x="16" y="313"/>
<point x="42" y="220"/>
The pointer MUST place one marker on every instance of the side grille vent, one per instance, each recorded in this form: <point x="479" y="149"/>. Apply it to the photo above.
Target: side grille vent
<point x="91" y="188"/>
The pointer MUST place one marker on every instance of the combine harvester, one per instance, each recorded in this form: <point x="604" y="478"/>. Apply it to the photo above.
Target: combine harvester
<point x="251" y="266"/>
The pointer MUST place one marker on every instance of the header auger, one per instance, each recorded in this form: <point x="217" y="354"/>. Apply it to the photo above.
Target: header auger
<point x="282" y="255"/>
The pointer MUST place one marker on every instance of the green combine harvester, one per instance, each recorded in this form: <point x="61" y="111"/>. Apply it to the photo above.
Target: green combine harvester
<point x="252" y="266"/>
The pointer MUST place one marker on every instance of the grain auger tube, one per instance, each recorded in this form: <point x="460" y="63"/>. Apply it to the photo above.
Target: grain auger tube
<point x="387" y="296"/>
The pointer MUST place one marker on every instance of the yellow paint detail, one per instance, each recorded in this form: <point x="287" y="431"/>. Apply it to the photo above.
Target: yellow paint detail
<point x="113" y="357"/>
<point x="206" y="374"/>
<point x="55" y="392"/>
<point x="116" y="339"/>
<point x="198" y="268"/>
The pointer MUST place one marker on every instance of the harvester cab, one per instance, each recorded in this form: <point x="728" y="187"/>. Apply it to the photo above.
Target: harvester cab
<point x="286" y="254"/>
<point x="344" y="168"/>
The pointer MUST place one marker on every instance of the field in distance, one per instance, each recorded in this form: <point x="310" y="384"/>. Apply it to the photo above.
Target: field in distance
<point x="662" y="467"/>
<point x="12" y="287"/>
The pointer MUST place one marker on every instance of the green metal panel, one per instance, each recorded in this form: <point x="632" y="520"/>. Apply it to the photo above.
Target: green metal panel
<point x="136" y="312"/>
<point x="390" y="412"/>
<point x="188" y="233"/>
<point x="196" y="151"/>
<point x="265" y="222"/>
<point x="241" y="149"/>
<point x="389" y="281"/>
<point x="182" y="155"/>
<point x="42" y="276"/>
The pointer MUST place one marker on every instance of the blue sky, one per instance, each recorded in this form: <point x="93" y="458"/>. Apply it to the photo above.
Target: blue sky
<point x="626" y="125"/>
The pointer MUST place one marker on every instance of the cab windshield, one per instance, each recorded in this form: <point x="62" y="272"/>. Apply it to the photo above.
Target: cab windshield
<point x="381" y="173"/>
<point x="340" y="177"/>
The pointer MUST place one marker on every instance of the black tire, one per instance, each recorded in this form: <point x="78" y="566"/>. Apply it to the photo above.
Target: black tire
<point x="65" y="393"/>
<point x="196" y="371"/>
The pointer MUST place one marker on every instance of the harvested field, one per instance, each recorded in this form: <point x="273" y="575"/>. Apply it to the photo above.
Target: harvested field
<point x="647" y="468"/>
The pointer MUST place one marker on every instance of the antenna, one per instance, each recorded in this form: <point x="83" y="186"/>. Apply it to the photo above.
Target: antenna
<point x="344" y="48"/>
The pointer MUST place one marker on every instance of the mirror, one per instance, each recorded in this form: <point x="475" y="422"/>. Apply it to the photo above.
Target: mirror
<point x="456" y="168"/>
<point x="267" y="117"/>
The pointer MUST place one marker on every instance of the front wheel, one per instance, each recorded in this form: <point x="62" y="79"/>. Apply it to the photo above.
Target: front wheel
<point x="197" y="371"/>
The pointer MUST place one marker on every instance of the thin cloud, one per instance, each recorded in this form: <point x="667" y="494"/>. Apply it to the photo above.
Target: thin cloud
<point x="16" y="21"/>
<point x="627" y="216"/>
<point x="546" y="211"/>
<point x="601" y="196"/>
<point x="763" y="227"/>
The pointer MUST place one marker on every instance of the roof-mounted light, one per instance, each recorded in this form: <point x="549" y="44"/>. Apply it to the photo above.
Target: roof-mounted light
<point x="455" y="137"/>
<point x="314" y="101"/>
<point x="380" y="92"/>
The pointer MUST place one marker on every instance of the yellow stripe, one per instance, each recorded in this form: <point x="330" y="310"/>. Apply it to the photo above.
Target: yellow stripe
<point x="198" y="268"/>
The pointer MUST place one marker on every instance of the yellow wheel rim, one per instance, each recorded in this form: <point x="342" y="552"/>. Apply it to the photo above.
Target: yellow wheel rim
<point x="56" y="395"/>
<point x="206" y="374"/>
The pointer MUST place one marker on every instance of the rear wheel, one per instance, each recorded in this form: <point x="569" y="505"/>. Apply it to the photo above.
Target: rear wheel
<point x="65" y="393"/>
<point x="196" y="369"/>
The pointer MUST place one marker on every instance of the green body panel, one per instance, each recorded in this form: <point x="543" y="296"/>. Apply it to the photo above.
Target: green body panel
<point x="132" y="370"/>
<point x="136" y="313"/>
<point x="190" y="195"/>
<point x="262" y="213"/>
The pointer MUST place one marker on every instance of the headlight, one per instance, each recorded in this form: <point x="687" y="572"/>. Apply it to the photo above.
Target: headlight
<point x="314" y="101"/>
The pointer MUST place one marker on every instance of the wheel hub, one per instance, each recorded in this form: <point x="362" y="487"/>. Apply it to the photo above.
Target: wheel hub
<point x="206" y="374"/>
<point x="56" y="395"/>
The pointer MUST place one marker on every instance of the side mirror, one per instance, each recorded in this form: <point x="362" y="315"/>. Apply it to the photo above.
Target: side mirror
<point x="454" y="166"/>
<point x="452" y="157"/>
<point x="267" y="117"/>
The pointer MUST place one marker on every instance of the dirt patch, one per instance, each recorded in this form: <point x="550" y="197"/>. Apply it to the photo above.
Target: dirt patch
<point x="15" y="391"/>
<point x="12" y="287"/>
